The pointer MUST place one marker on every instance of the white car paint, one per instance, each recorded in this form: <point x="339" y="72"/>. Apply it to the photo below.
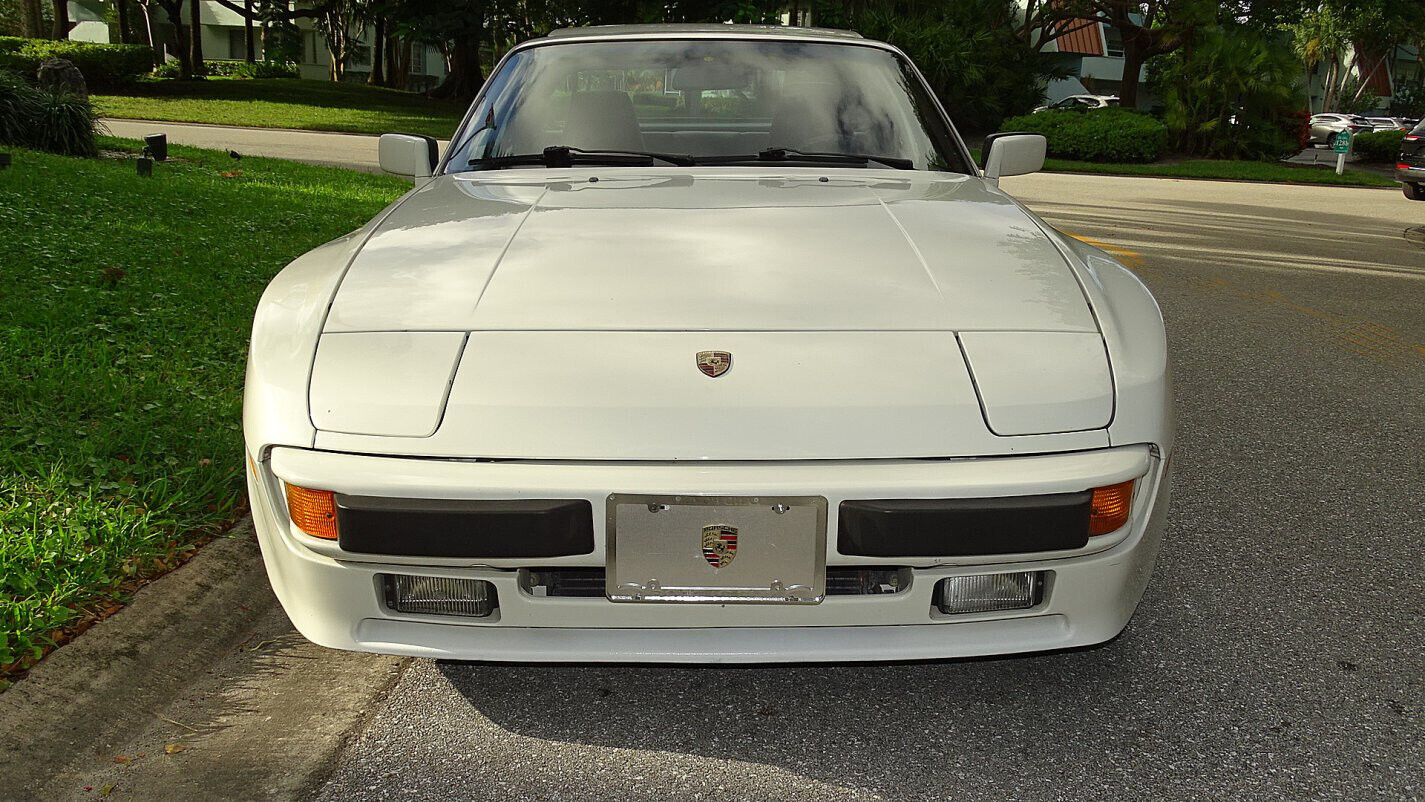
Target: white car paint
<point x="529" y="333"/>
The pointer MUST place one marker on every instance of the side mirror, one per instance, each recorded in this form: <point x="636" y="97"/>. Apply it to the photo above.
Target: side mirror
<point x="409" y="155"/>
<point x="1013" y="154"/>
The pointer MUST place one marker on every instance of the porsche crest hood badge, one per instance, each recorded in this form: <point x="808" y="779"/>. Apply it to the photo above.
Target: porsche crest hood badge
<point x="719" y="544"/>
<point x="714" y="363"/>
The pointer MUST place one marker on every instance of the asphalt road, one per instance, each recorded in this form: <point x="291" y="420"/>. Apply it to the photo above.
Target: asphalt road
<point x="1277" y="654"/>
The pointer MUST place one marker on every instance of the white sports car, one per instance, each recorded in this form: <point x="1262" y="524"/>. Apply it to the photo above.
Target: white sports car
<point x="707" y="344"/>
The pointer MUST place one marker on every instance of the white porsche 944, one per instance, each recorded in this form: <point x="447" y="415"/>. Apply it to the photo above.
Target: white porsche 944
<point x="707" y="345"/>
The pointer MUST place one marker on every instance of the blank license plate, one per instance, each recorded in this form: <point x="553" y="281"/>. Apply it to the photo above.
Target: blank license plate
<point x="716" y="549"/>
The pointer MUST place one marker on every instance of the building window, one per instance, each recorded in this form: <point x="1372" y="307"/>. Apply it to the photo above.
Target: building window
<point x="418" y="59"/>
<point x="1112" y="41"/>
<point x="237" y="44"/>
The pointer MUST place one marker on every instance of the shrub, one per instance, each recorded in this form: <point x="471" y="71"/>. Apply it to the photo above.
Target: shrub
<point x="33" y="118"/>
<point x="1098" y="135"/>
<point x="256" y="69"/>
<point x="64" y="124"/>
<point x="168" y="69"/>
<point x="1378" y="146"/>
<point x="17" y="105"/>
<point x="104" y="66"/>
<point x="1231" y="95"/>
<point x="1296" y="126"/>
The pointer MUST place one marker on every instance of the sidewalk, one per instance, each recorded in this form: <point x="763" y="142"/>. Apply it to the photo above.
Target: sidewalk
<point x="352" y="151"/>
<point x="1325" y="157"/>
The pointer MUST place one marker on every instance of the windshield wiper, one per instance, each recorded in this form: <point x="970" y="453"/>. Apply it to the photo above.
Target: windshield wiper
<point x="814" y="157"/>
<point x="566" y="156"/>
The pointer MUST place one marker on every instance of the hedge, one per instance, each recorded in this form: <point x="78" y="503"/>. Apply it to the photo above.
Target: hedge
<point x="104" y="66"/>
<point x="256" y="69"/>
<point x="1096" y="135"/>
<point x="1378" y="146"/>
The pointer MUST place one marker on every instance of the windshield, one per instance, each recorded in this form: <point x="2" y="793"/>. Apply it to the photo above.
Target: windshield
<point x="709" y="99"/>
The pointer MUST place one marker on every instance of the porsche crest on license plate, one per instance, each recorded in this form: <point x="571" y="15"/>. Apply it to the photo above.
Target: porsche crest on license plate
<point x="719" y="544"/>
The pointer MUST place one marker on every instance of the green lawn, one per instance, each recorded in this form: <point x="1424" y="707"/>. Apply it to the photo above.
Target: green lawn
<point x="1228" y="170"/>
<point x="124" y="319"/>
<point x="285" y="103"/>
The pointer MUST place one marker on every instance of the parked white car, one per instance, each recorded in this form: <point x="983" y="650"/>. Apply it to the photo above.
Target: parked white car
<point x="1081" y="103"/>
<point x="772" y="372"/>
<point x="1325" y="126"/>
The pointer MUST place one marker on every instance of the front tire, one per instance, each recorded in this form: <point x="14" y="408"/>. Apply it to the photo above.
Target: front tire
<point x="1413" y="191"/>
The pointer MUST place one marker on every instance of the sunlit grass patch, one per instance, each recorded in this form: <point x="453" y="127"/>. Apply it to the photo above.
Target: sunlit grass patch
<point x="125" y="307"/>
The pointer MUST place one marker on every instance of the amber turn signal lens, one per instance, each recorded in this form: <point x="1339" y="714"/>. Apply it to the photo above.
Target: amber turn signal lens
<point x="1108" y="511"/>
<point x="313" y="511"/>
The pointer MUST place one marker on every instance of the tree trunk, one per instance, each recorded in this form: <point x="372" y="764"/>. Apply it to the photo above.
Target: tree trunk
<point x="336" y="47"/>
<point x="464" y="78"/>
<point x="1135" y="52"/>
<point x="61" y="20"/>
<point x="121" y="8"/>
<point x="173" y="9"/>
<point x="1328" y="94"/>
<point x="378" y="54"/>
<point x="249" y="36"/>
<point x="195" y="37"/>
<point x="34" y="19"/>
<point x="401" y="77"/>
<point x="393" y="62"/>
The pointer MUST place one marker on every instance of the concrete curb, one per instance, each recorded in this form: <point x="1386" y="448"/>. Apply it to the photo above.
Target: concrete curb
<point x="203" y="656"/>
<point x="173" y="627"/>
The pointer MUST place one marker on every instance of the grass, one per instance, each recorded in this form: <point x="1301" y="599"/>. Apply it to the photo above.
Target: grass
<point x="124" y="319"/>
<point x="285" y="103"/>
<point x="1229" y="171"/>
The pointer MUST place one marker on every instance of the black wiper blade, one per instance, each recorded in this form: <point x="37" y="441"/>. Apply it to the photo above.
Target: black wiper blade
<point x="565" y="156"/>
<point x="812" y="157"/>
<point x="783" y="154"/>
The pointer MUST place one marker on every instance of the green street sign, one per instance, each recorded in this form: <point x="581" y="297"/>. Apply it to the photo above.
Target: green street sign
<point x="1341" y="142"/>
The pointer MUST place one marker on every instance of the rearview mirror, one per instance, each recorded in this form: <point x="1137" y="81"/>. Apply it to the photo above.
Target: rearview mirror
<point x="409" y="155"/>
<point x="1013" y="154"/>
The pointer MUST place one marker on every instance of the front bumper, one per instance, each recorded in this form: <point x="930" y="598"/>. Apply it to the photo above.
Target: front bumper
<point x="333" y="598"/>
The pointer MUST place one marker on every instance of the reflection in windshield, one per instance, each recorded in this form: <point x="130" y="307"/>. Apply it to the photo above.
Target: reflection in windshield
<point x="710" y="99"/>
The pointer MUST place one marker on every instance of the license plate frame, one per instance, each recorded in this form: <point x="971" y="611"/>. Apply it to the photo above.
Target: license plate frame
<point x="779" y="557"/>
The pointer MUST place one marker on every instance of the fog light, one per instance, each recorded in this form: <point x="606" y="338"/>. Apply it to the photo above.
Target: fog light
<point x="439" y="595"/>
<point x="985" y="593"/>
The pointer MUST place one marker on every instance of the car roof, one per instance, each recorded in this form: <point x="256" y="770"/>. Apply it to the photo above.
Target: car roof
<point x="674" y="30"/>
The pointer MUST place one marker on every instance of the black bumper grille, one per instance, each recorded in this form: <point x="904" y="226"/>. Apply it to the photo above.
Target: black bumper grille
<point x="530" y="528"/>
<point x="963" y="527"/>
<point x="840" y="581"/>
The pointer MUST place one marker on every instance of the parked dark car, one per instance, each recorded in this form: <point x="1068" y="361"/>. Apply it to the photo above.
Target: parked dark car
<point x="1410" y="167"/>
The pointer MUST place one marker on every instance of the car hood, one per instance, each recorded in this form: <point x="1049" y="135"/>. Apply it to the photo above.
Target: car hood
<point x="609" y="250"/>
<point x="532" y="316"/>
